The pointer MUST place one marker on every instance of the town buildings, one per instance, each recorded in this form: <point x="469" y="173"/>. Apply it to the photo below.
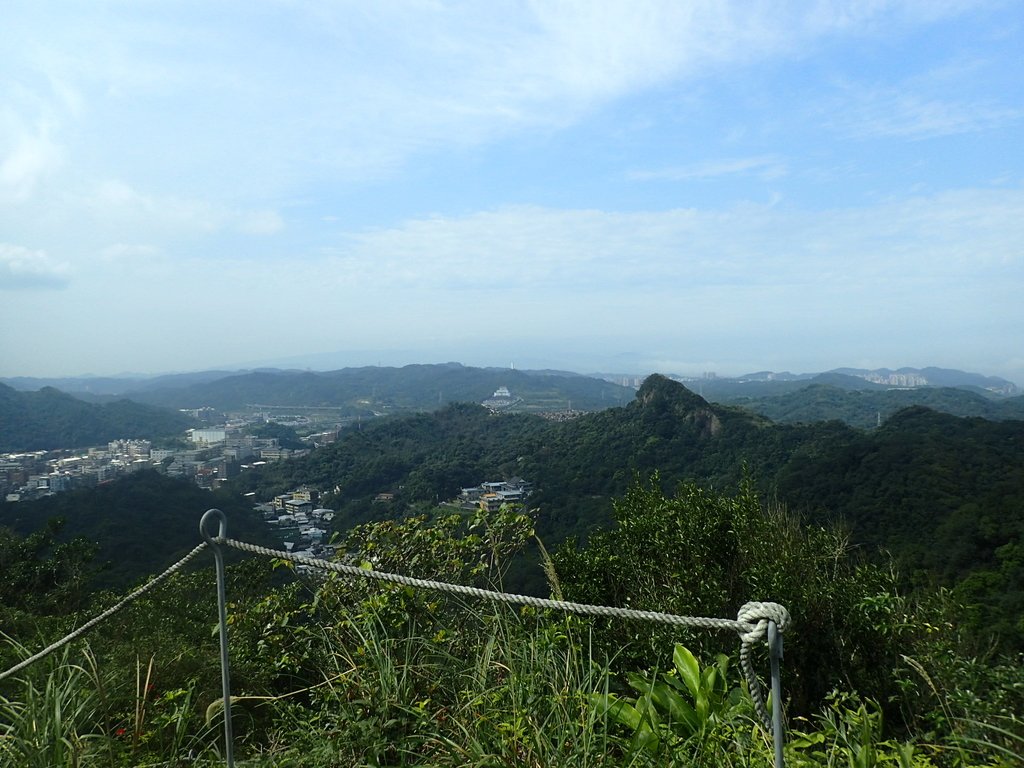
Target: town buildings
<point x="491" y="496"/>
<point x="211" y="457"/>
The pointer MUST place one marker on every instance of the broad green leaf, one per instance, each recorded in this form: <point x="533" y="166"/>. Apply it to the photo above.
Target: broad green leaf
<point x="639" y="683"/>
<point x="609" y="705"/>
<point x="805" y="740"/>
<point x="703" y="706"/>
<point x="905" y="753"/>
<point x="673" y="679"/>
<point x="645" y="739"/>
<point x="688" y="668"/>
<point x="674" y="708"/>
<point x="709" y="679"/>
<point x="645" y="706"/>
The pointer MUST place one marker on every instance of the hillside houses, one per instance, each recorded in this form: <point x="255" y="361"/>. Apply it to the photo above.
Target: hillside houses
<point x="297" y="515"/>
<point x="490" y="496"/>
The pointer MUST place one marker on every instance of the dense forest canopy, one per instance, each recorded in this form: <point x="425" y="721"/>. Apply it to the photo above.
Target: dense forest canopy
<point x="50" y="419"/>
<point x="135" y="526"/>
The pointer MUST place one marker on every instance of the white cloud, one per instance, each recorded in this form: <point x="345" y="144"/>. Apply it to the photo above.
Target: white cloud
<point x="356" y="89"/>
<point x="259" y="222"/>
<point x="887" y="112"/>
<point x="764" y="166"/>
<point x="896" y="247"/>
<point x="772" y="287"/>
<point x="120" y="252"/>
<point x="23" y="268"/>
<point x="163" y="147"/>
<point x="117" y="202"/>
<point x="115" y="199"/>
<point x="32" y="157"/>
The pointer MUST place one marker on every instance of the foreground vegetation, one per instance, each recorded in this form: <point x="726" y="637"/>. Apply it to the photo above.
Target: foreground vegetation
<point x="334" y="672"/>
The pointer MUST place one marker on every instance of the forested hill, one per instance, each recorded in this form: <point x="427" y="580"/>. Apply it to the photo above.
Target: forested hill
<point x="49" y="419"/>
<point x="864" y="407"/>
<point x="373" y="389"/>
<point x="942" y="493"/>
<point x="576" y="465"/>
<point x="139" y="525"/>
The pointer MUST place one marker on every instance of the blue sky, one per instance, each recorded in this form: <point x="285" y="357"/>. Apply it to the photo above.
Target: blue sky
<point x="636" y="186"/>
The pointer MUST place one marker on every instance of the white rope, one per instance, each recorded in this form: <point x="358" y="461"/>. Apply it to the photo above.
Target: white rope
<point x="751" y="624"/>
<point x="130" y="597"/>
<point x="757" y="616"/>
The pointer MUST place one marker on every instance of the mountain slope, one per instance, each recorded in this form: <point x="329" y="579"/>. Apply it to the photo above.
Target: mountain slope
<point x="365" y="390"/>
<point x="50" y="419"/>
<point x="865" y="408"/>
<point x="140" y="524"/>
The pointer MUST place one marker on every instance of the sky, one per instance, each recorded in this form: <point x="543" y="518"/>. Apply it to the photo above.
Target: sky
<point x="637" y="186"/>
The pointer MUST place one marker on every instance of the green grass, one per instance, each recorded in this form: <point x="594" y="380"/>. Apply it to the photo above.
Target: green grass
<point x="443" y="684"/>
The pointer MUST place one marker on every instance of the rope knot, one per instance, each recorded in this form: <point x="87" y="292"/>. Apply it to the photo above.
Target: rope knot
<point x="757" y="615"/>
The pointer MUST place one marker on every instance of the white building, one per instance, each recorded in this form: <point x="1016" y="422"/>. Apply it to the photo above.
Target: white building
<point x="207" y="436"/>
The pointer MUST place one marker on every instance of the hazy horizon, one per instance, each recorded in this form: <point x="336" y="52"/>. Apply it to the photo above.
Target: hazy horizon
<point x="708" y="186"/>
<point x="326" y="362"/>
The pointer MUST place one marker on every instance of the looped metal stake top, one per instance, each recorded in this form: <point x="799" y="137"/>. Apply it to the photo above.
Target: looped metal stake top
<point x="211" y="516"/>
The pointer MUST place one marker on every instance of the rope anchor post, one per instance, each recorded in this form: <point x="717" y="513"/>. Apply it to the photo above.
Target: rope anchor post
<point x="760" y="622"/>
<point x="775" y="654"/>
<point x="225" y="672"/>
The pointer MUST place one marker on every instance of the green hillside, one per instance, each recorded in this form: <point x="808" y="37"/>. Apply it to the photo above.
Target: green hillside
<point x="866" y="407"/>
<point x="374" y="389"/>
<point x="49" y="419"/>
<point x="942" y="493"/>
<point x="136" y="525"/>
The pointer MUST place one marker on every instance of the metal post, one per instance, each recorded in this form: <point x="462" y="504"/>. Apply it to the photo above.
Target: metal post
<point x="225" y="674"/>
<point x="775" y="654"/>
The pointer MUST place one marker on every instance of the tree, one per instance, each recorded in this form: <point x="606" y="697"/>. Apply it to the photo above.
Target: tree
<point x="705" y="553"/>
<point x="41" y="576"/>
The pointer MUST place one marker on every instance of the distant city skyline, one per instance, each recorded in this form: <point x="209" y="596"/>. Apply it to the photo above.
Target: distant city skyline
<point x="588" y="186"/>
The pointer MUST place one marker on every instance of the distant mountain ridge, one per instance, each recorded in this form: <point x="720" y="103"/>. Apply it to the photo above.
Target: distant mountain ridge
<point x="371" y="389"/>
<point x="865" y="408"/>
<point x="763" y="384"/>
<point x="854" y="378"/>
<point x="113" y="385"/>
<point x="901" y="377"/>
<point x="863" y="398"/>
<point x="50" y="418"/>
<point x="859" y="397"/>
<point x="933" y="377"/>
